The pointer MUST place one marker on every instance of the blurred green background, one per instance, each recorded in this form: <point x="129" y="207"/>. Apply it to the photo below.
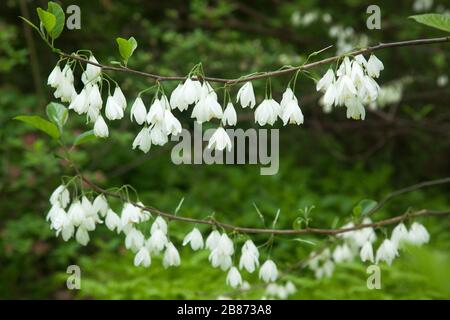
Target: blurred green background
<point x="329" y="162"/>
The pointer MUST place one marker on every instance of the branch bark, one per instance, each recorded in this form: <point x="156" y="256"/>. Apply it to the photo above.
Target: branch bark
<point x="268" y="74"/>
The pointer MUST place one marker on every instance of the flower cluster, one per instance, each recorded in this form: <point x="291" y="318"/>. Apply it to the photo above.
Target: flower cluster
<point x="353" y="85"/>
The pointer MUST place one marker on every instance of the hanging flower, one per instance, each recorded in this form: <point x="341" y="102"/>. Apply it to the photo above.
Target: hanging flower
<point x="138" y="111"/>
<point x="119" y="98"/>
<point x="195" y="239"/>
<point x="386" y="252"/>
<point x="246" y="96"/>
<point x="220" y="140"/>
<point x="229" y="115"/>
<point x="100" y="128"/>
<point x="234" y="278"/>
<point x="143" y="140"/>
<point x="113" y="111"/>
<point x="142" y="258"/>
<point x="171" y="256"/>
<point x="268" y="271"/>
<point x="366" y="253"/>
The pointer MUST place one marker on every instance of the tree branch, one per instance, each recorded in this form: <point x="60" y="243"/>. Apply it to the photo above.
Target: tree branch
<point x="262" y="75"/>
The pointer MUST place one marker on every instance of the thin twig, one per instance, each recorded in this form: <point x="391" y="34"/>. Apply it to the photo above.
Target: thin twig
<point x="262" y="75"/>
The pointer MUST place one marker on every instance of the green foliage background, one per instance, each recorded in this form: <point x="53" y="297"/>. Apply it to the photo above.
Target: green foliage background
<point x="330" y="162"/>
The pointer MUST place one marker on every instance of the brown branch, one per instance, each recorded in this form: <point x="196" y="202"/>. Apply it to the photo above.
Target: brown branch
<point x="263" y="75"/>
<point x="397" y="219"/>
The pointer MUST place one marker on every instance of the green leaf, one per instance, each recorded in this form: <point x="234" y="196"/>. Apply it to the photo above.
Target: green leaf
<point x="438" y="21"/>
<point x="367" y="206"/>
<point x="58" y="114"/>
<point x="84" y="137"/>
<point x="126" y="47"/>
<point x="48" y="19"/>
<point x="58" y="12"/>
<point x="41" y="124"/>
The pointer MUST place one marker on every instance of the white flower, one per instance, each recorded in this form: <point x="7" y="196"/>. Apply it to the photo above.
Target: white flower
<point x="100" y="128"/>
<point x="65" y="89"/>
<point x="361" y="60"/>
<point x="80" y="103"/>
<point x="95" y="98"/>
<point x="386" y="252"/>
<point x="142" y="258"/>
<point x="143" y="140"/>
<point x="399" y="234"/>
<point x="213" y="240"/>
<point x="171" y="124"/>
<point x="159" y="224"/>
<point x="76" y="213"/>
<point x="290" y="287"/>
<point x="92" y="72"/>
<point x="156" y="112"/>
<point x="100" y="205"/>
<point x="345" y="89"/>
<point x="171" y="256"/>
<point x="55" y="77"/>
<point x="176" y="100"/>
<point x="229" y="115"/>
<point x="191" y="91"/>
<point x="220" y="140"/>
<point x="357" y="74"/>
<point x="157" y="241"/>
<point x="374" y="66"/>
<point x="195" y="239"/>
<point x="138" y="111"/>
<point x="132" y="214"/>
<point x="119" y="98"/>
<point x="355" y="109"/>
<point x="221" y="255"/>
<point x="134" y="240"/>
<point x="234" y="278"/>
<point x="249" y="257"/>
<point x="246" y="96"/>
<point x="268" y="271"/>
<point x="366" y="253"/>
<point x="342" y="253"/>
<point x="267" y="112"/>
<point x="345" y="68"/>
<point x="112" y="221"/>
<point x="61" y="196"/>
<point x="418" y="234"/>
<point x="113" y="111"/>
<point x="207" y="108"/>
<point x="292" y="113"/>
<point x="82" y="236"/>
<point x="326" y="81"/>
<point x="158" y="134"/>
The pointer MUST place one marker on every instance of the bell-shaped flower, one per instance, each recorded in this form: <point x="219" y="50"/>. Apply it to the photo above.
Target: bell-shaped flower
<point x="95" y="98"/>
<point x="82" y="236"/>
<point x="326" y="81"/>
<point x="229" y="115"/>
<point x="249" y="257"/>
<point x="386" y="252"/>
<point x="113" y="111"/>
<point x="61" y="196"/>
<point x="138" y="111"/>
<point x="156" y="112"/>
<point x="171" y="124"/>
<point x="374" y="66"/>
<point x="342" y="253"/>
<point x="158" y="134"/>
<point x="157" y="241"/>
<point x="355" y="109"/>
<point x="119" y="98"/>
<point x="55" y="77"/>
<point x="142" y="258"/>
<point x="234" y="278"/>
<point x="366" y="253"/>
<point x="292" y="113"/>
<point x="417" y="234"/>
<point x="220" y="140"/>
<point x="171" y="256"/>
<point x="176" y="99"/>
<point x="80" y="103"/>
<point x="246" y="96"/>
<point x="195" y="239"/>
<point x="159" y="224"/>
<point x="399" y="235"/>
<point x="212" y="240"/>
<point x="143" y="140"/>
<point x="92" y="72"/>
<point x="100" y="205"/>
<point x="207" y="108"/>
<point x="112" y="221"/>
<point x="268" y="271"/>
<point x="134" y="240"/>
<point x="191" y="91"/>
<point x="267" y="112"/>
<point x="100" y="128"/>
